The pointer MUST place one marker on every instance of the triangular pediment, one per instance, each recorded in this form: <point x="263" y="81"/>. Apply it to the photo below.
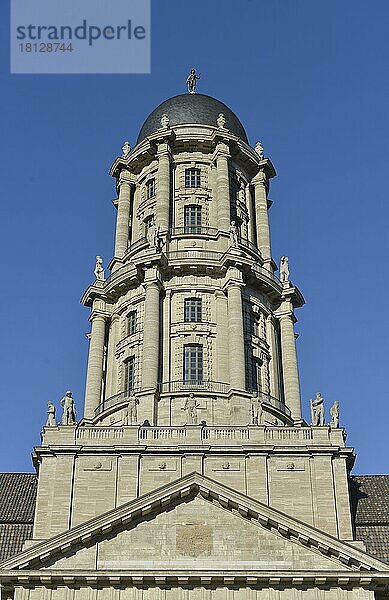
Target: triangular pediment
<point x="194" y="523"/>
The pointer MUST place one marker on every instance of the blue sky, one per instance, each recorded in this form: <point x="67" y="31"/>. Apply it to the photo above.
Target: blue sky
<point x="307" y="78"/>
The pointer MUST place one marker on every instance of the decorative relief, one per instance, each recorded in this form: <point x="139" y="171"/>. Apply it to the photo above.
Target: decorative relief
<point x="290" y="465"/>
<point x="227" y="465"/>
<point x="98" y="464"/>
<point x="167" y="465"/>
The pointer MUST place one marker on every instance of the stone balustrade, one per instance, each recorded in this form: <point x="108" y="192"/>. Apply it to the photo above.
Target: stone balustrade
<point x="193" y="435"/>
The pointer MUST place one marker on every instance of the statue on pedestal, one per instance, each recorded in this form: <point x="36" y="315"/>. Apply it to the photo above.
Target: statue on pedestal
<point x="165" y="121"/>
<point x="131" y="412"/>
<point x="99" y="269"/>
<point x="234" y="235"/>
<point x="69" y="413"/>
<point x="259" y="150"/>
<point x="334" y="412"/>
<point x="256" y="409"/>
<point x="317" y="410"/>
<point x="126" y="148"/>
<point x="191" y="405"/>
<point x="284" y="269"/>
<point x="221" y="121"/>
<point x="51" y="422"/>
<point x="191" y="82"/>
<point x="154" y="237"/>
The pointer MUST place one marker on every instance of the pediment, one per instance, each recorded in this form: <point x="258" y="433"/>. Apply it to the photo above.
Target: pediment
<point x="198" y="524"/>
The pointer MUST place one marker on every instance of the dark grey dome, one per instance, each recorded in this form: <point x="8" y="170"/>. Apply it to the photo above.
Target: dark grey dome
<point x="192" y="108"/>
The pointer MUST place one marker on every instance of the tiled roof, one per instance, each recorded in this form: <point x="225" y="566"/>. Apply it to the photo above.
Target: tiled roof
<point x="17" y="506"/>
<point x="12" y="538"/>
<point x="370" y="503"/>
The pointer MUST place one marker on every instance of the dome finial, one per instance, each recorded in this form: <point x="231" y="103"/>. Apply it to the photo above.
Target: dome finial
<point x="191" y="81"/>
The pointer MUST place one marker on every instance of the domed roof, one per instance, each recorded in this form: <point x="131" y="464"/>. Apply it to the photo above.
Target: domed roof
<point x="192" y="108"/>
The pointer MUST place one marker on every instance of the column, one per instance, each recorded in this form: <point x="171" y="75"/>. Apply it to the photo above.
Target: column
<point x="123" y="215"/>
<point x="222" y="343"/>
<point x="262" y="217"/>
<point x="112" y="362"/>
<point x="150" y="362"/>
<point x="250" y="210"/>
<point x="162" y="208"/>
<point x="167" y="363"/>
<point x="94" y="378"/>
<point x="289" y="360"/>
<point x="223" y="187"/>
<point x="236" y="338"/>
<point x="274" y="357"/>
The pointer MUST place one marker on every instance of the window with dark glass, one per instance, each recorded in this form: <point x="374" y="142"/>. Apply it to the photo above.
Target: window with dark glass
<point x="192" y="219"/>
<point x="131" y="322"/>
<point x="150" y="187"/>
<point x="149" y="221"/>
<point x="192" y="178"/>
<point x="193" y="364"/>
<point x="193" y="310"/>
<point x="130" y="374"/>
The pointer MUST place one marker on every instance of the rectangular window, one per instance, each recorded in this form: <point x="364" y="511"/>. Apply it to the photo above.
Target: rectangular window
<point x="193" y="364"/>
<point x="131" y="322"/>
<point x="193" y="310"/>
<point x="192" y="178"/>
<point x="149" y="222"/>
<point x="192" y="219"/>
<point x="130" y="374"/>
<point x="150" y="187"/>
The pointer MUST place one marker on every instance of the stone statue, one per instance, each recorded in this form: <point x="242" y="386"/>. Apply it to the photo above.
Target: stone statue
<point x="165" y="121"/>
<point x="51" y="422"/>
<point x="256" y="409"/>
<point x="317" y="410"/>
<point x="284" y="269"/>
<point x="234" y="235"/>
<point x="99" y="269"/>
<point x="69" y="413"/>
<point x="191" y="82"/>
<point x="334" y="412"/>
<point x="154" y="237"/>
<point x="221" y="121"/>
<point x="126" y="149"/>
<point x="131" y="412"/>
<point x="191" y="405"/>
<point x="259" y="150"/>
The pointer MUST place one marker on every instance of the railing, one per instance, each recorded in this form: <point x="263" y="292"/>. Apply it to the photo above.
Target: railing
<point x="198" y="254"/>
<point x="193" y="386"/>
<point x="272" y="401"/>
<point x="162" y="433"/>
<point x="193" y="230"/>
<point x="113" y="400"/>
<point x="225" y="433"/>
<point x="289" y="433"/>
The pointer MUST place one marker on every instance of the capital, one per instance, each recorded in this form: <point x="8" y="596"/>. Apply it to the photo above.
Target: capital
<point x="221" y="149"/>
<point x="126" y="177"/>
<point x="260" y="178"/>
<point x="285" y="311"/>
<point x="164" y="149"/>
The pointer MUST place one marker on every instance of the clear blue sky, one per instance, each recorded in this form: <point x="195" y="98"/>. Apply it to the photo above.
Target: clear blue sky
<point x="307" y="78"/>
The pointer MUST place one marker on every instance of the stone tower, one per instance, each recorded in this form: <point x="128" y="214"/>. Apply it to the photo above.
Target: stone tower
<point x="192" y="474"/>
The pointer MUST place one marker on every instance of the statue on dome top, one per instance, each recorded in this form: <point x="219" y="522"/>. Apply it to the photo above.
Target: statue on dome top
<point x="191" y="82"/>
